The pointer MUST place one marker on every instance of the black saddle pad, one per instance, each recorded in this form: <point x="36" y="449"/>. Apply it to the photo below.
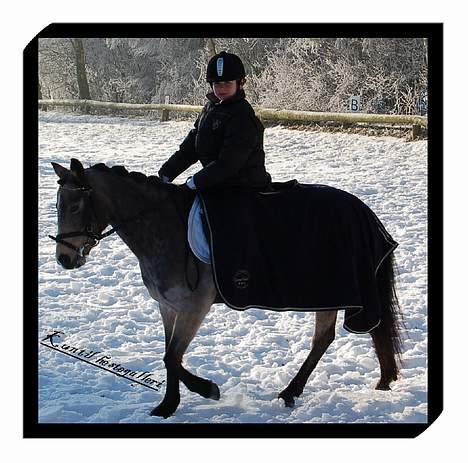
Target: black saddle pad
<point x="297" y="247"/>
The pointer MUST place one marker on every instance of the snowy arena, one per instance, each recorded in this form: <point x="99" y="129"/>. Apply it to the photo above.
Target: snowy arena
<point x="104" y="307"/>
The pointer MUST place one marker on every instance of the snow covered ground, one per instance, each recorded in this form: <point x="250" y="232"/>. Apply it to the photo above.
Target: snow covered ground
<point x="104" y="307"/>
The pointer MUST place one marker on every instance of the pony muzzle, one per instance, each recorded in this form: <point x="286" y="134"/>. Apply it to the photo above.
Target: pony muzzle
<point x="78" y="256"/>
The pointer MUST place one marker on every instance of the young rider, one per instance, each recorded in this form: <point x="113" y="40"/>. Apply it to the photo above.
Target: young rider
<point x="227" y="137"/>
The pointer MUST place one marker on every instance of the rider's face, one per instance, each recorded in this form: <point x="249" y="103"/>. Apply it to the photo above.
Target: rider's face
<point x="225" y="90"/>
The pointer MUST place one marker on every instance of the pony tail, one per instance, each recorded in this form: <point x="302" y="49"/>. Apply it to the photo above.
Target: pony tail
<point x="387" y="337"/>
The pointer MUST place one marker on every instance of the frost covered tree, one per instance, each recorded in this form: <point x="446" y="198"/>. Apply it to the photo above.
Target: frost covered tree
<point x="116" y="69"/>
<point x="318" y="74"/>
<point x="124" y="69"/>
<point x="390" y="75"/>
<point x="181" y="70"/>
<point x="210" y="44"/>
<point x="57" y="75"/>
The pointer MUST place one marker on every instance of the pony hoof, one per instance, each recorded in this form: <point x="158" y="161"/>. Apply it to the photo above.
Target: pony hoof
<point x="382" y="387"/>
<point x="163" y="410"/>
<point x="288" y="400"/>
<point x="214" y="392"/>
<point x="159" y="412"/>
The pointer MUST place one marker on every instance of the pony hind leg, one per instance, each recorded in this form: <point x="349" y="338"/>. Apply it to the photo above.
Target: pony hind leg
<point x="204" y="387"/>
<point x="387" y="362"/>
<point x="324" y="335"/>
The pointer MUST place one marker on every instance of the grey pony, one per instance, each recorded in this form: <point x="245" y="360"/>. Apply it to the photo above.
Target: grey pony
<point x="151" y="218"/>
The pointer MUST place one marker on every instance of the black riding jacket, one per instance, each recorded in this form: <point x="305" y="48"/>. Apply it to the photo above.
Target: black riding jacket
<point x="228" y="141"/>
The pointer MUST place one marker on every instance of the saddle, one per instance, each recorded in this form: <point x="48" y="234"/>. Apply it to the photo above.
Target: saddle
<point x="297" y="247"/>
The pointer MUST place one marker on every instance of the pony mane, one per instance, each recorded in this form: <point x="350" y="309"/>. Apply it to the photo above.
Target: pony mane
<point x="139" y="178"/>
<point x="150" y="186"/>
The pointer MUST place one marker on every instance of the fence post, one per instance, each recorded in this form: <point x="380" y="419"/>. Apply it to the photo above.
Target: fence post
<point x="165" y="112"/>
<point x="416" y="132"/>
<point x="86" y="107"/>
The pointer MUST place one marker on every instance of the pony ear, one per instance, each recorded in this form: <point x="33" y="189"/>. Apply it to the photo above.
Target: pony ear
<point x="62" y="172"/>
<point x="77" y="169"/>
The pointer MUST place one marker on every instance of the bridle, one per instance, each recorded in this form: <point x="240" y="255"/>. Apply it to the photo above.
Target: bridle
<point x="93" y="237"/>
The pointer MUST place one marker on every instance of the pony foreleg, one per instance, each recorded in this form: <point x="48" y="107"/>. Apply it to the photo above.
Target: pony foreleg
<point x="185" y="326"/>
<point x="323" y="337"/>
<point x="172" y="397"/>
<point x="204" y="387"/>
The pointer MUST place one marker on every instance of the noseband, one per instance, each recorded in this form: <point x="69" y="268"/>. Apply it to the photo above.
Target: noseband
<point x="94" y="238"/>
<point x="88" y="233"/>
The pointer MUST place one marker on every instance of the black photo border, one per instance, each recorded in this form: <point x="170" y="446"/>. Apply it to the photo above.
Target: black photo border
<point x="31" y="425"/>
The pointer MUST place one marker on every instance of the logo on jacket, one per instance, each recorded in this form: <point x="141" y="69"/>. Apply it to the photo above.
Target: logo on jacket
<point x="219" y="66"/>
<point x="216" y="123"/>
<point x="241" y="279"/>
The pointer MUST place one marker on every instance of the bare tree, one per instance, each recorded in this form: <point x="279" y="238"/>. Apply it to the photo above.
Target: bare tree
<point x="81" y="75"/>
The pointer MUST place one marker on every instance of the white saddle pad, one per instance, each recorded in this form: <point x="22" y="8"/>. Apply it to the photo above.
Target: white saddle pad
<point x="196" y="236"/>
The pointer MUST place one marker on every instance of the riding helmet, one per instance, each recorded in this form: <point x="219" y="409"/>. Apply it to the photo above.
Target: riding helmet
<point x="223" y="67"/>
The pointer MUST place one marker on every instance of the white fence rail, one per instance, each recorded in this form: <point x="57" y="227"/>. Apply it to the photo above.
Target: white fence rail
<point x="417" y="122"/>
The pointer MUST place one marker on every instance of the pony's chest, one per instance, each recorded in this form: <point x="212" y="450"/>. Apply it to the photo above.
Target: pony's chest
<point x="160" y="288"/>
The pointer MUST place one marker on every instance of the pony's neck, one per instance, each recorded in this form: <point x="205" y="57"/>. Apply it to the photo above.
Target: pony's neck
<point x="146" y="221"/>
